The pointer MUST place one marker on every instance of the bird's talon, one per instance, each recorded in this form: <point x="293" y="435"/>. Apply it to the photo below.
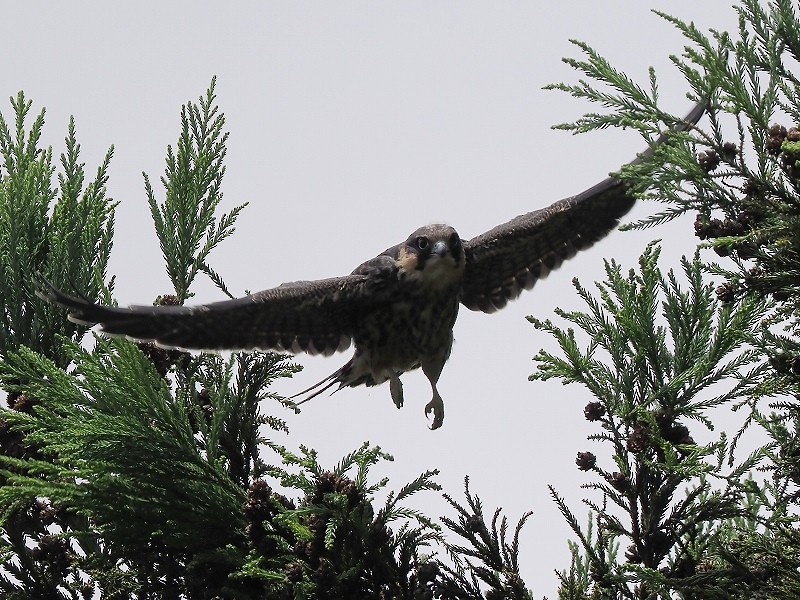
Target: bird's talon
<point x="437" y="407"/>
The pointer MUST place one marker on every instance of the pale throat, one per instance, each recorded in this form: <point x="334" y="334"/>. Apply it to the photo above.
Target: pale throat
<point x="438" y="272"/>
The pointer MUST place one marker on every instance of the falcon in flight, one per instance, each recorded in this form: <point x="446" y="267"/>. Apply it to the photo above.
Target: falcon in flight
<point x="398" y="309"/>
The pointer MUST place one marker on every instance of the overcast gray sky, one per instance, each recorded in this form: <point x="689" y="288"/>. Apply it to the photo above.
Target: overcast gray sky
<point x="352" y="124"/>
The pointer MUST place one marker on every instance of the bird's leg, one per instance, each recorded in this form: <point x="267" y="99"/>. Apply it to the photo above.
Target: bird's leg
<point x="396" y="389"/>
<point x="432" y="368"/>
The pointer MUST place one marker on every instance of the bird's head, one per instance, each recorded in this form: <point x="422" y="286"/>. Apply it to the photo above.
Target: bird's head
<point x="433" y="253"/>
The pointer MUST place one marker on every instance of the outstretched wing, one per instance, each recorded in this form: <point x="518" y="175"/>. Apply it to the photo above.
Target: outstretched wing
<point x="318" y="317"/>
<point x="513" y="256"/>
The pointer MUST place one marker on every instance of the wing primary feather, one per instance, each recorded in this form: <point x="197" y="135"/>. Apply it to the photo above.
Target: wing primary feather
<point x="317" y="317"/>
<point x="513" y="256"/>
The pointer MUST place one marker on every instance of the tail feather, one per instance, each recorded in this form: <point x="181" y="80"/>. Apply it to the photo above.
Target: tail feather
<point x="339" y="376"/>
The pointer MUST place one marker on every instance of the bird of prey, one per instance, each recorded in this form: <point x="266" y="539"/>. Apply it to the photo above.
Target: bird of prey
<point x="398" y="309"/>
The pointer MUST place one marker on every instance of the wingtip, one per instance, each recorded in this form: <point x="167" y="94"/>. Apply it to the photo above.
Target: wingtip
<point x="694" y="115"/>
<point x="688" y="122"/>
<point x="76" y="307"/>
<point x="43" y="288"/>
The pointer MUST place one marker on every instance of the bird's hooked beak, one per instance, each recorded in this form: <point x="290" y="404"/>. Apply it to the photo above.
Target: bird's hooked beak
<point x="440" y="249"/>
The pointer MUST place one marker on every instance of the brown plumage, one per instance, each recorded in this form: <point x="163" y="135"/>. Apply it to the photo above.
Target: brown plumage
<point x="398" y="309"/>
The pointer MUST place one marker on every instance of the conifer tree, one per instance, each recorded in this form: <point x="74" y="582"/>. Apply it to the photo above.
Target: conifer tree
<point x="673" y="518"/>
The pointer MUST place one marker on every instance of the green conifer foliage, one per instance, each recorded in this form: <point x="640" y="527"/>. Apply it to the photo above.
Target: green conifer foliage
<point x="64" y="232"/>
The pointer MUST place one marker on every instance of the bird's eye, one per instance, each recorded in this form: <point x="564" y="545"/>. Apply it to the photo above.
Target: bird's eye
<point x="455" y="241"/>
<point x="422" y="242"/>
